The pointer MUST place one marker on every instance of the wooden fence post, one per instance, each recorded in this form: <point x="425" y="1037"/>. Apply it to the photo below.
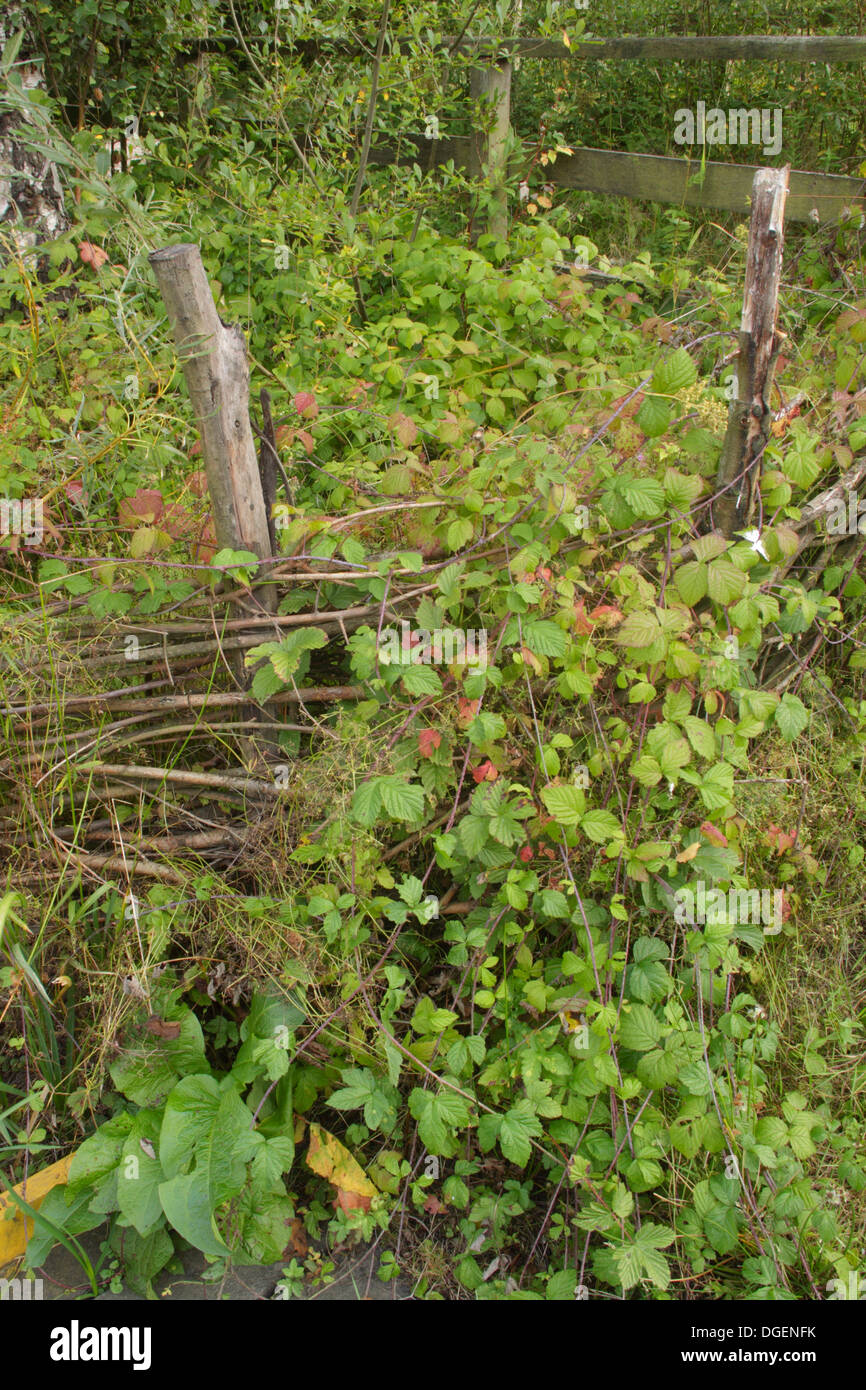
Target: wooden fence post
<point x="214" y="359"/>
<point x="492" y="85"/>
<point x="749" y="415"/>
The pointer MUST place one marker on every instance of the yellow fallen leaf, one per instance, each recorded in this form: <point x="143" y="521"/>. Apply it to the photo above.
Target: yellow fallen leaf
<point x="13" y="1236"/>
<point x="332" y="1160"/>
<point x="687" y="855"/>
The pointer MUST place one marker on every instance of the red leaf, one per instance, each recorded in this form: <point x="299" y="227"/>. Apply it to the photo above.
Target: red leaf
<point x="177" y="521"/>
<point x="306" y="405"/>
<point x="713" y="833"/>
<point x="351" y="1201"/>
<point x="433" y="1206"/>
<point x="467" y="710"/>
<point x="525" y="854"/>
<point x="92" y="255"/>
<point x="485" y="772"/>
<point x="307" y="440"/>
<point x="606" y="614"/>
<point x="428" y="741"/>
<point x="195" y="450"/>
<point x="197" y="483"/>
<point x="404" y="427"/>
<point x="298" y="1238"/>
<point x="144" y="507"/>
<point x="204" y="551"/>
<point x="582" y="625"/>
<point x="780" y="840"/>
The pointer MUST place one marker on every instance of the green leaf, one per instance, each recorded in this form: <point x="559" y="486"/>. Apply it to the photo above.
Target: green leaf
<point x="140" y="1173"/>
<point x="272" y="1159"/>
<point x="143" y="1256"/>
<point x="285" y="657"/>
<point x="659" y="1067"/>
<point x="758" y="704"/>
<point x="211" y="1129"/>
<point x="70" y="1214"/>
<point x="639" y="1028"/>
<point x="646" y="771"/>
<point x="690" y="581"/>
<point x="241" y="564"/>
<point x="266" y="683"/>
<point x="565" y="803"/>
<point x="437" y="1116"/>
<point x="643" y="1174"/>
<point x="146" y="1073"/>
<point x="265" y="1220"/>
<point x="97" y="1158"/>
<point x="709" y="547"/>
<point x="402" y="801"/>
<point x="716" y="786"/>
<point x="459" y="533"/>
<point x="722" y="1228"/>
<point x="544" y="637"/>
<point x="675" y="373"/>
<point x="791" y="716"/>
<point x="420" y="680"/>
<point x="724" y="581"/>
<point x="601" y="827"/>
<point x="674" y="755"/>
<point x="700" y="735"/>
<point x="645" y="496"/>
<point x="654" y="416"/>
<point x="519" y="1125"/>
<point x="367" y="803"/>
<point x="639" y="630"/>
<point x="396" y="481"/>
<point x="188" y="1207"/>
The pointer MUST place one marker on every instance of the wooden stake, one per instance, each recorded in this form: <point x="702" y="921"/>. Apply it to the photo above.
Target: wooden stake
<point x="490" y="149"/>
<point x="749" y="417"/>
<point x="214" y="359"/>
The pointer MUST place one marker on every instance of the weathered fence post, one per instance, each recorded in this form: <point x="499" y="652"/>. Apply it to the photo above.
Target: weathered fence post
<point x="214" y="359"/>
<point x="492" y="86"/>
<point x="749" y="415"/>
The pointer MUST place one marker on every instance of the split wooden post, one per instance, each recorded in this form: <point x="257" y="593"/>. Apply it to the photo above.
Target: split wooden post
<point x="492" y="86"/>
<point x="214" y="359"/>
<point x="749" y="416"/>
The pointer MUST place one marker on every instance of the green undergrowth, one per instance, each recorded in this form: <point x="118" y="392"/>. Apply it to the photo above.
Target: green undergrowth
<point x="551" y="954"/>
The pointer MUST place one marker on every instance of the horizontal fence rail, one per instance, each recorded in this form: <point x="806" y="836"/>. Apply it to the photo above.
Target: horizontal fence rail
<point x="698" y="48"/>
<point x="840" y="48"/>
<point x="662" y="179"/>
